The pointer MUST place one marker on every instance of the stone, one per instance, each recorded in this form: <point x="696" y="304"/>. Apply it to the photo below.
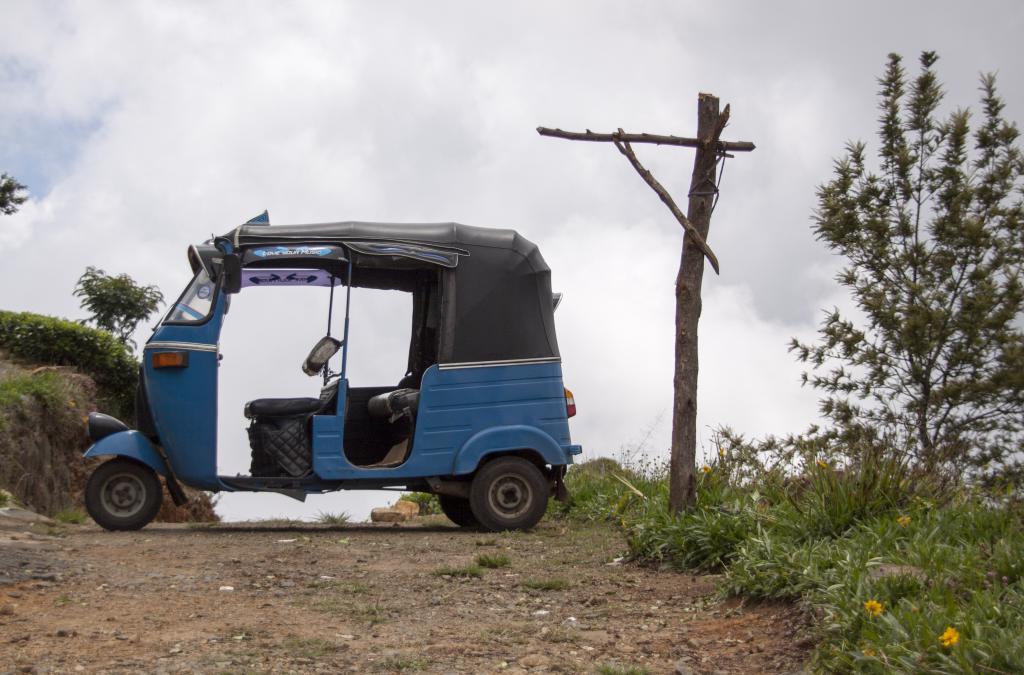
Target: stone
<point x="13" y="515"/>
<point x="387" y="515"/>
<point x="410" y="509"/>
<point x="534" y="661"/>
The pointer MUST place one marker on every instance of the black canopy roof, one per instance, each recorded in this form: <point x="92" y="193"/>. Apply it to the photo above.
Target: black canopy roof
<point x="496" y="301"/>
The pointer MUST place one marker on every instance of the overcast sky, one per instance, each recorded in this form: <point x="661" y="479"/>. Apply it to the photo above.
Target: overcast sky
<point x="143" y="127"/>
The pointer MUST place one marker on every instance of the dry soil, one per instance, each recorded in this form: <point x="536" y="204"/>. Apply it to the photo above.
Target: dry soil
<point x="362" y="598"/>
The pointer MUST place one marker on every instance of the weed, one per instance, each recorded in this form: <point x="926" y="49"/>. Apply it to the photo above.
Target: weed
<point x="487" y="542"/>
<point x="612" y="669"/>
<point x="492" y="562"/>
<point x="546" y="584"/>
<point x="473" y="571"/>
<point x="71" y="516"/>
<point x="325" y="518"/>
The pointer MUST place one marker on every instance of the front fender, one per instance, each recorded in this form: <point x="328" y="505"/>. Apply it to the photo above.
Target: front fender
<point x="130" y="444"/>
<point x="503" y="439"/>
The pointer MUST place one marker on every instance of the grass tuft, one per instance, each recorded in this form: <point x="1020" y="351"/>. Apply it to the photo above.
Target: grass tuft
<point x="469" y="571"/>
<point x="546" y="584"/>
<point x="70" y="516"/>
<point x="325" y="518"/>
<point x="493" y="562"/>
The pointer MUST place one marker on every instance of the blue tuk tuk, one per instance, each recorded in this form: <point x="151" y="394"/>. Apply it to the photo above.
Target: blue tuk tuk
<point x="481" y="417"/>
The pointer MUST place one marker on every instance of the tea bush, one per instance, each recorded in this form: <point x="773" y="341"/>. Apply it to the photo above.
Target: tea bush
<point x="38" y="339"/>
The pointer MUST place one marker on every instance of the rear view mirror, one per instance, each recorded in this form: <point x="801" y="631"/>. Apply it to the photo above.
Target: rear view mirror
<point x="320" y="354"/>
<point x="232" y="271"/>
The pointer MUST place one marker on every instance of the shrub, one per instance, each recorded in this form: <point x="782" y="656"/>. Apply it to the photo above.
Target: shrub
<point x="47" y="340"/>
<point x="427" y="502"/>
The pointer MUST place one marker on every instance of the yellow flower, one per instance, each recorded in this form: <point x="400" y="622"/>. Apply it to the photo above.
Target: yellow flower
<point x="903" y="521"/>
<point x="874" y="607"/>
<point x="706" y="469"/>
<point x="822" y="464"/>
<point x="72" y="404"/>
<point x="950" y="637"/>
<point x="721" y="452"/>
<point x="869" y="652"/>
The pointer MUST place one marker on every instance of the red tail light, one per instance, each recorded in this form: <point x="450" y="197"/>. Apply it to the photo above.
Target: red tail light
<point x="570" y="404"/>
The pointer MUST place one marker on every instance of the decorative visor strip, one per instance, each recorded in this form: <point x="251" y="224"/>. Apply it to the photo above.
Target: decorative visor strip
<point x="193" y="346"/>
<point x="488" y="364"/>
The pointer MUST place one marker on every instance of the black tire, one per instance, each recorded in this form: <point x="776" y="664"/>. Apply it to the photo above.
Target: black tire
<point x="458" y="510"/>
<point x="509" y="493"/>
<point x="123" y="494"/>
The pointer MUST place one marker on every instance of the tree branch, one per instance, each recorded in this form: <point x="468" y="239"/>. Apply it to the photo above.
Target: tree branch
<point x="656" y="139"/>
<point x="627" y="150"/>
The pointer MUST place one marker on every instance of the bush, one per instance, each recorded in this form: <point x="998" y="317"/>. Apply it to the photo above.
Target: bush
<point x="427" y="502"/>
<point x="47" y="340"/>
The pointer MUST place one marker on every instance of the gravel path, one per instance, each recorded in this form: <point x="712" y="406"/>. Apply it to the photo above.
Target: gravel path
<point x="361" y="598"/>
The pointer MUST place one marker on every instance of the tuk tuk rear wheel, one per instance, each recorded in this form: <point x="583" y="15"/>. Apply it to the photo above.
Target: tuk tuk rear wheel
<point x="123" y="495"/>
<point x="458" y="510"/>
<point x="509" y="493"/>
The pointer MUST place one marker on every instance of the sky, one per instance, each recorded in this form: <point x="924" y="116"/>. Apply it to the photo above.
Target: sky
<point x="143" y="127"/>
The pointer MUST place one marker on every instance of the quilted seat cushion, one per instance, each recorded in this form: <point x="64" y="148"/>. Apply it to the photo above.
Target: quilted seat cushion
<point x="281" y="407"/>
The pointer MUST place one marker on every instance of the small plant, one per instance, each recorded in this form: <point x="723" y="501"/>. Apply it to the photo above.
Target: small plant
<point x="469" y="571"/>
<point x="546" y="584"/>
<point x="70" y="516"/>
<point x="492" y="562"/>
<point x="428" y="503"/>
<point x="487" y="542"/>
<point x="611" y="669"/>
<point x="326" y="518"/>
<point x="399" y="664"/>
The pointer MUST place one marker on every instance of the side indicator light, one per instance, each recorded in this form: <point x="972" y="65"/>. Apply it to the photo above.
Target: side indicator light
<point x="570" y="404"/>
<point x="170" y="360"/>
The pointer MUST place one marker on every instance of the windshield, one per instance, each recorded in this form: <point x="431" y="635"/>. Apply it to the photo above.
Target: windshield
<point x="195" y="303"/>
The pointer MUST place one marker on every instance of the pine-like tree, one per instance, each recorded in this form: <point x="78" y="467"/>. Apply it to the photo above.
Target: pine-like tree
<point x="933" y="241"/>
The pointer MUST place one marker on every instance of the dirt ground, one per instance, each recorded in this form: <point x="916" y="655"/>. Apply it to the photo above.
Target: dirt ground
<point x="364" y="598"/>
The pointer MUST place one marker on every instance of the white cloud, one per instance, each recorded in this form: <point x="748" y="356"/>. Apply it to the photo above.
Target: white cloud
<point x="191" y="117"/>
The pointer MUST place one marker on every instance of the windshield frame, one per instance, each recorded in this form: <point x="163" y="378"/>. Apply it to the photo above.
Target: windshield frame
<point x="215" y="295"/>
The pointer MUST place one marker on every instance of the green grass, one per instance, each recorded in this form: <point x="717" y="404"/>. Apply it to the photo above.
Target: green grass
<point x="325" y="518"/>
<point x="493" y="561"/>
<point x="833" y="539"/>
<point x="609" y="669"/>
<point x="469" y="571"/>
<point x="71" y="516"/>
<point x="46" y="387"/>
<point x="546" y="584"/>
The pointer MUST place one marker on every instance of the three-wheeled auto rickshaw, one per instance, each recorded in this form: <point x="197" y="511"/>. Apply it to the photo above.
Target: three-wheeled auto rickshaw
<point x="481" y="417"/>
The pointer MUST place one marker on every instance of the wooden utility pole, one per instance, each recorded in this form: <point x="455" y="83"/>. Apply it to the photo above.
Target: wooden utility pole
<point x="703" y="195"/>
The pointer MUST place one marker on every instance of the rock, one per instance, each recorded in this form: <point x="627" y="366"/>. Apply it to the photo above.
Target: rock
<point x="226" y="589"/>
<point x="65" y="632"/>
<point x="534" y="661"/>
<point x="410" y="509"/>
<point x="387" y="515"/>
<point x="13" y="515"/>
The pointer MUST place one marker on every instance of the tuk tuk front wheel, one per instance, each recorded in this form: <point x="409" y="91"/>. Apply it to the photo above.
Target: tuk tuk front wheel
<point x="123" y="495"/>
<point x="509" y="493"/>
<point x="458" y="510"/>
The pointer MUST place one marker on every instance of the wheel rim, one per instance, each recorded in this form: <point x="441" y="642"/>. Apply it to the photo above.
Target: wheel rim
<point x="510" y="496"/>
<point x="123" y="495"/>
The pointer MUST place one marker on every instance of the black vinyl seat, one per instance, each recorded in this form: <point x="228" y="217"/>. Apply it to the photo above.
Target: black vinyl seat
<point x="282" y="407"/>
